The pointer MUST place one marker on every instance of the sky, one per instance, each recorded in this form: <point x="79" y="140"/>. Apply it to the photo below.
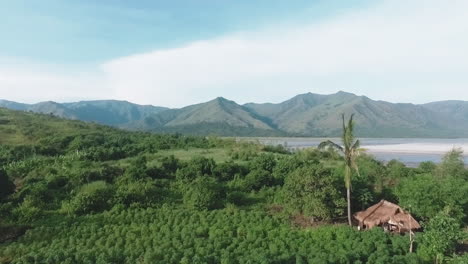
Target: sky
<point x="176" y="53"/>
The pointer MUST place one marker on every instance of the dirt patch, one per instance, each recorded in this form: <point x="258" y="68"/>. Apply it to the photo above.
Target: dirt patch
<point x="275" y="209"/>
<point x="462" y="248"/>
<point x="303" y="221"/>
<point x="9" y="233"/>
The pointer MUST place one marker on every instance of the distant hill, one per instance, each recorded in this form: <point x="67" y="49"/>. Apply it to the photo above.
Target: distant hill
<point x="20" y="128"/>
<point x="303" y="115"/>
<point x="108" y="112"/>
<point x="219" y="116"/>
<point x="319" y="115"/>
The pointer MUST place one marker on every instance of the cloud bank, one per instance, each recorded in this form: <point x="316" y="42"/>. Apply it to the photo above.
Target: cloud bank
<point x="413" y="51"/>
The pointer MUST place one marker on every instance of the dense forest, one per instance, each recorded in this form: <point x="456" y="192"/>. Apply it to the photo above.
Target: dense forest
<point x="73" y="192"/>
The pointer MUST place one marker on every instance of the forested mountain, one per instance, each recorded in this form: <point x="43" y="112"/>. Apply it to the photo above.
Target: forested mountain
<point x="318" y="115"/>
<point x="108" y="112"/>
<point x="303" y="115"/>
<point x="219" y="116"/>
<point x="455" y="109"/>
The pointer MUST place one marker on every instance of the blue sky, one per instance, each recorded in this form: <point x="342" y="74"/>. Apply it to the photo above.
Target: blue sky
<point x="174" y="53"/>
<point x="90" y="31"/>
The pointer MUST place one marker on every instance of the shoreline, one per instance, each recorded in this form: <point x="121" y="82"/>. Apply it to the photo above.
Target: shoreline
<point x="415" y="148"/>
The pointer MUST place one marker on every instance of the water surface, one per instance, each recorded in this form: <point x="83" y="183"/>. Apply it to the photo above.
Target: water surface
<point x="410" y="151"/>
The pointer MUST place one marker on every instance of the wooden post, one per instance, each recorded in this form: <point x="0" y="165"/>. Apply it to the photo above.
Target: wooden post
<point x="410" y="234"/>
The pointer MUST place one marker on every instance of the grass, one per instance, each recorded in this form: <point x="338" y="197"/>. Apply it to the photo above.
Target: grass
<point x="17" y="127"/>
<point x="217" y="154"/>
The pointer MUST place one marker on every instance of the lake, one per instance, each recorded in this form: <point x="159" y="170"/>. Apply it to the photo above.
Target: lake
<point x="410" y="151"/>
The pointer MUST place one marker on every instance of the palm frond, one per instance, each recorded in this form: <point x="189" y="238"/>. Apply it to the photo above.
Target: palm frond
<point x="350" y="122"/>
<point x="356" y="168"/>
<point x="356" y="145"/>
<point x="343" y="136"/>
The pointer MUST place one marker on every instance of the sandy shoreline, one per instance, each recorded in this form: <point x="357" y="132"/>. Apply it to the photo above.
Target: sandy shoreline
<point x="415" y="148"/>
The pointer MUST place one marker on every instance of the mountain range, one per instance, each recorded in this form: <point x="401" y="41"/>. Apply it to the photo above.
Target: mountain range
<point x="303" y="115"/>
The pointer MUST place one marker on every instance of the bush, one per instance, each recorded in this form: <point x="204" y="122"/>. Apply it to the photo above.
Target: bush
<point x="256" y="179"/>
<point x="27" y="212"/>
<point x="459" y="259"/>
<point x="453" y="165"/>
<point x="139" y="192"/>
<point x="196" y="167"/>
<point x="313" y="191"/>
<point x="228" y="170"/>
<point x="92" y="197"/>
<point x="427" y="195"/>
<point x="137" y="169"/>
<point x="237" y="198"/>
<point x="440" y="238"/>
<point x="204" y="193"/>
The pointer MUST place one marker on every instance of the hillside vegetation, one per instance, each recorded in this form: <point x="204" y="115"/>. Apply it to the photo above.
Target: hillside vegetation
<point x="74" y="192"/>
<point x="107" y="112"/>
<point x="303" y="115"/>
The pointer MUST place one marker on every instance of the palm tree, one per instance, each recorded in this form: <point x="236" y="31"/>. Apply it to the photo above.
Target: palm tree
<point x="350" y="150"/>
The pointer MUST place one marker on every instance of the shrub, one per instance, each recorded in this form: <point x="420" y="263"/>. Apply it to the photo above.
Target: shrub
<point x="312" y="190"/>
<point x="92" y="197"/>
<point x="427" y="195"/>
<point x="28" y="211"/>
<point x="204" y="193"/>
<point x="440" y="238"/>
<point x="139" y="192"/>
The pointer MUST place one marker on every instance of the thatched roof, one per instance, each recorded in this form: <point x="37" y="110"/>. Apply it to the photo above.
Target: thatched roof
<point x="386" y="212"/>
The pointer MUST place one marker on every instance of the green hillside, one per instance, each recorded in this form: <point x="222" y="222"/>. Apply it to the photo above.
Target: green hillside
<point x="217" y="117"/>
<point x="18" y="128"/>
<point x="303" y="115"/>
<point x="77" y="192"/>
<point x="107" y="112"/>
<point x="318" y="115"/>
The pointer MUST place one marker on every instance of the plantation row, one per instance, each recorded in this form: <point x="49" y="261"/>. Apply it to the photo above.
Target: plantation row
<point x="169" y="235"/>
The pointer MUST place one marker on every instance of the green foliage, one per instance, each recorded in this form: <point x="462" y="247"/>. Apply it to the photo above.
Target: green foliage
<point x="396" y="171"/>
<point x="266" y="162"/>
<point x="427" y="195"/>
<point x="350" y="150"/>
<point x="453" y="165"/>
<point x="137" y="169"/>
<point x="312" y="190"/>
<point x="229" y="170"/>
<point x="197" y="167"/>
<point x="28" y="211"/>
<point x="168" y="167"/>
<point x="440" y="238"/>
<point x="92" y="197"/>
<point x="371" y="184"/>
<point x="94" y="194"/>
<point x="171" y="235"/>
<point x="427" y="166"/>
<point x="463" y="259"/>
<point x="143" y="193"/>
<point x="204" y="193"/>
<point x="276" y="149"/>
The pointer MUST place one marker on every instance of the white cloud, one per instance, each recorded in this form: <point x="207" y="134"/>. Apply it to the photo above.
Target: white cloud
<point x="397" y="50"/>
<point x="32" y="84"/>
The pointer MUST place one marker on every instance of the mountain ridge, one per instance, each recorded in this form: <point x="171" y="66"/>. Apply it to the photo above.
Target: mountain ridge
<point x="307" y="114"/>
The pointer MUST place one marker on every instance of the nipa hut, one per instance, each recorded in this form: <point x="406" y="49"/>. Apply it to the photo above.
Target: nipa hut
<point x="388" y="215"/>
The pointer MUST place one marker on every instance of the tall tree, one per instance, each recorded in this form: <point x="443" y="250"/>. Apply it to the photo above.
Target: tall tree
<point x="350" y="150"/>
